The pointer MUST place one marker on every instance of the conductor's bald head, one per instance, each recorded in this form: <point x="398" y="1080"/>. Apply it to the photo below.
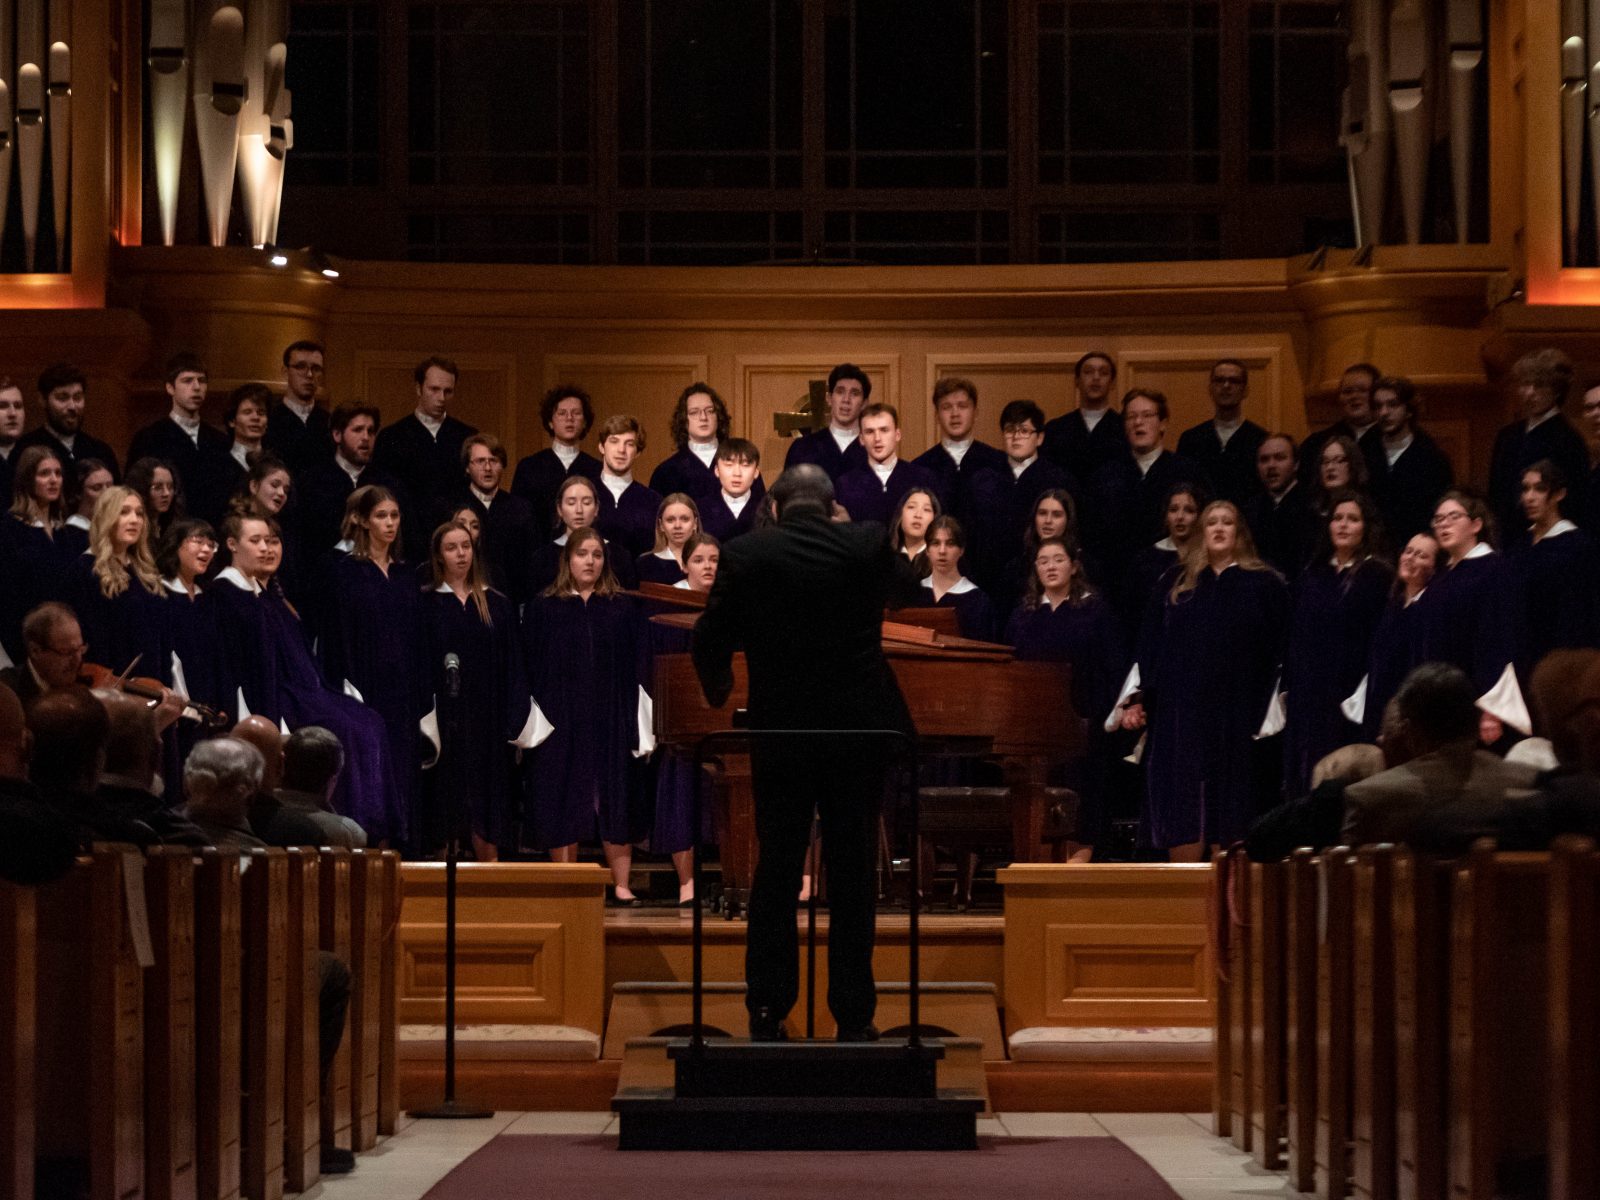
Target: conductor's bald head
<point x="804" y="489"/>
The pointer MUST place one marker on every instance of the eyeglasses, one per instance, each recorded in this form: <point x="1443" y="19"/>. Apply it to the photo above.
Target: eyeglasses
<point x="1449" y="518"/>
<point x="698" y="412"/>
<point x="1019" y="431"/>
<point x="200" y="539"/>
<point x="77" y="651"/>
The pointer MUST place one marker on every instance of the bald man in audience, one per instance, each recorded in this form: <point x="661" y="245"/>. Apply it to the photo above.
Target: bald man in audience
<point x="268" y="740"/>
<point x="219" y="778"/>
<point x="38" y="845"/>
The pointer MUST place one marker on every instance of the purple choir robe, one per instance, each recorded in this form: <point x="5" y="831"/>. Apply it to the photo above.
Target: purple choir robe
<point x="658" y="566"/>
<point x="539" y="477"/>
<point x="476" y="753"/>
<point x="974" y="613"/>
<point x="1208" y="663"/>
<point x="673" y="824"/>
<point x="134" y="624"/>
<point x="586" y="662"/>
<point x="271" y="665"/>
<point x="631" y="520"/>
<point x="821" y="448"/>
<point x="547" y="565"/>
<point x="1396" y="644"/>
<point x="1473" y="620"/>
<point x="685" y="472"/>
<point x="1336" y="614"/>
<point x="1558" y="582"/>
<point x="1086" y="636"/>
<point x="720" y="521"/>
<point x="868" y="498"/>
<point x="371" y="644"/>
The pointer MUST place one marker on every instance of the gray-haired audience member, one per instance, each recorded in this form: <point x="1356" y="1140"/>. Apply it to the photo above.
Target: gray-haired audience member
<point x="1444" y="786"/>
<point x="1316" y="819"/>
<point x="299" y="812"/>
<point x="219" y="778"/>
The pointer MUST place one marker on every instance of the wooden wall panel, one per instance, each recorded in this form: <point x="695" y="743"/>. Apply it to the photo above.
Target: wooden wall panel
<point x="765" y="384"/>
<point x="645" y="386"/>
<point x="486" y="391"/>
<point x="1183" y="372"/>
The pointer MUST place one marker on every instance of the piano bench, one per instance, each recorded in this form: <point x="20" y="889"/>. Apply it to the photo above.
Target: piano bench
<point x="965" y="815"/>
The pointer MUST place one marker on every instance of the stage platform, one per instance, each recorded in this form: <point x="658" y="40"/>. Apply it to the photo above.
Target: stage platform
<point x="1090" y="991"/>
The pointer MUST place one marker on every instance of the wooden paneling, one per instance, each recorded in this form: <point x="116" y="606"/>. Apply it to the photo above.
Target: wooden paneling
<point x="219" y="1019"/>
<point x="765" y="384"/>
<point x="19" y="962"/>
<point x="486" y="390"/>
<point x="641" y="385"/>
<point x="529" y="949"/>
<point x="302" y="1100"/>
<point x="1107" y="945"/>
<point x="1183" y="374"/>
<point x="169" y="1028"/>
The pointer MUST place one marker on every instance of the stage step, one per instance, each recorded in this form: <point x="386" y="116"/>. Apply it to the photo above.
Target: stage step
<point x="738" y="1068"/>
<point x="661" y="1120"/>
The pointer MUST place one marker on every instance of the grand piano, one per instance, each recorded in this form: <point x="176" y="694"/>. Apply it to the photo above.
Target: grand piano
<point x="964" y="696"/>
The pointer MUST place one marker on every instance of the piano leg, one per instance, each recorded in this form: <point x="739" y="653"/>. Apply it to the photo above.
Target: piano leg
<point x="1026" y="778"/>
<point x="736" y="833"/>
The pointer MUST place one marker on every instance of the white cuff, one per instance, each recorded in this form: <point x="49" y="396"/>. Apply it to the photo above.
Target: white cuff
<point x="1277" y="716"/>
<point x="1504" y="701"/>
<point x="1129" y="686"/>
<point x="179" y="685"/>
<point x="353" y="692"/>
<point x="535" y="730"/>
<point x="244" y="709"/>
<point x="5" y="660"/>
<point x="1354" y="706"/>
<point x="283" y="727"/>
<point x="429" y="725"/>
<point x="1136" y="755"/>
<point x="647" y="724"/>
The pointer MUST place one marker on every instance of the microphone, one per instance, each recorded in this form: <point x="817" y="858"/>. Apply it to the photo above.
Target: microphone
<point x="452" y="676"/>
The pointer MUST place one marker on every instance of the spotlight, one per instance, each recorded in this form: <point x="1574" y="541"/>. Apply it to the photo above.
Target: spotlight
<point x="279" y="260"/>
<point x="329" y="273"/>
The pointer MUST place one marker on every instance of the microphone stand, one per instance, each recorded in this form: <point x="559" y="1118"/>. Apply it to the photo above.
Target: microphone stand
<point x="451" y="1109"/>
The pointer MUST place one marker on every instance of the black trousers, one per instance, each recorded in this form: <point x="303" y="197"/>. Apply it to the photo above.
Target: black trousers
<point x="333" y="1001"/>
<point x="843" y="781"/>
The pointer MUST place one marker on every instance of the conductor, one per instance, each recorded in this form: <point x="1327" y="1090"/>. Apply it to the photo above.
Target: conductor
<point x="804" y="600"/>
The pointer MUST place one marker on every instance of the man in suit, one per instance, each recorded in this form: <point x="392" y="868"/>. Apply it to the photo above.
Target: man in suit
<point x="566" y="412"/>
<point x="1542" y="380"/>
<point x="1127" y="496"/>
<point x="1225" y="447"/>
<point x="325" y="486"/>
<point x="423" y="452"/>
<point x="1082" y="441"/>
<point x="11" y="418"/>
<point x="836" y="448"/>
<point x="1280" y="515"/>
<point x="506" y="520"/>
<point x="1438" y="762"/>
<point x="198" y="452"/>
<point x="804" y="598"/>
<point x="1415" y="471"/>
<point x="62" y="389"/>
<point x="299" y="812"/>
<point x="1359" y="423"/>
<point x="873" y="492"/>
<point x="297" y="426"/>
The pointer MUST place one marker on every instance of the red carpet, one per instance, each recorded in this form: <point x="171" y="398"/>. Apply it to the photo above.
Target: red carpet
<point x="582" y="1168"/>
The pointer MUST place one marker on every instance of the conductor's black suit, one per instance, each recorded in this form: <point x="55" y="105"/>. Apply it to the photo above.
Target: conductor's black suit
<point x="804" y="600"/>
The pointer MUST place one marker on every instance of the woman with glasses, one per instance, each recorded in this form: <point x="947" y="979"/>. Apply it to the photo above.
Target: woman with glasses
<point x="1472" y="619"/>
<point x="198" y="659"/>
<point x="1338" y="601"/>
<point x="1341" y="467"/>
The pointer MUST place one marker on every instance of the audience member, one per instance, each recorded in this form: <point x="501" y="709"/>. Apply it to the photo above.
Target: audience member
<point x="38" y="844"/>
<point x="299" y="812"/>
<point x="219" y="778"/>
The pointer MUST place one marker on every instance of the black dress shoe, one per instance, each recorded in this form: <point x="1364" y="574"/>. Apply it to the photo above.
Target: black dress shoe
<point x="336" y="1161"/>
<point x="857" y="1033"/>
<point x="615" y="901"/>
<point x="764" y="1027"/>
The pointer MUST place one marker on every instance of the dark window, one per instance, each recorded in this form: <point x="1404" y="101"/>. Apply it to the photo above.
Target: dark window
<point x="892" y="238"/>
<point x="500" y="237"/>
<point x="1068" y="237"/>
<point x="1296" y="76"/>
<point x="708" y="93"/>
<point x="708" y="238"/>
<point x="332" y="73"/>
<point x="499" y="93"/>
<point x="916" y="93"/>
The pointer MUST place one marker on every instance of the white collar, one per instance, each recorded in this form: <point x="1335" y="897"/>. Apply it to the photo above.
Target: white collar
<point x="190" y="425"/>
<point x="666" y="556"/>
<point x="1556" y="530"/>
<point x="706" y="452"/>
<point x="303" y="411"/>
<point x="1393" y="452"/>
<point x="78" y="521"/>
<point x="38" y="679"/>
<point x="842" y="436"/>
<point x="1167" y="543"/>
<point x="957" y="450"/>
<point x="428" y="423"/>
<point x="567" y="454"/>
<point x="66" y="439"/>
<point x="1226" y="429"/>
<point x="1410" y="600"/>
<point x="1017" y="468"/>
<point x="1283" y="495"/>
<point x="240" y="454"/>
<point x="349" y="468"/>
<point x="1146" y="461"/>
<point x="484" y="498"/>
<point x="912" y="554"/>
<point x="239" y="580"/>
<point x="345" y="545"/>
<point x="1092" y="416"/>
<point x="1535" y="422"/>
<point x="959" y="588"/>
<point x="562" y="540"/>
<point x="445" y="588"/>
<point x="616" y="484"/>
<point x="735" y="503"/>
<point x="1481" y="550"/>
<point x="1224" y="570"/>
<point x="683" y="584"/>
<point x="174" y="584"/>
<point x="885" y="469"/>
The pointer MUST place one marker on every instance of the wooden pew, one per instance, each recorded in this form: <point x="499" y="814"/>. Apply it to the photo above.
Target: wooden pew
<point x="334" y="886"/>
<point x="1498" y="1010"/>
<point x="389" y="1000"/>
<point x="219" y="1017"/>
<point x="1372" y="1118"/>
<point x="1241" y="1010"/>
<point x="1574" y="1036"/>
<point x="1222" y="1008"/>
<point x="366" y="993"/>
<point x="1300" y="1018"/>
<point x="302" y="1096"/>
<point x="169" y="1025"/>
<point x="1268" y="1016"/>
<point x="18" y="979"/>
<point x="1334" y="1015"/>
<point x="1420" y="889"/>
<point x="265" y="910"/>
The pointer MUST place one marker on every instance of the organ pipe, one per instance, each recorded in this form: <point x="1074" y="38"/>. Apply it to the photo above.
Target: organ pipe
<point x="1410" y="101"/>
<point x="169" y="105"/>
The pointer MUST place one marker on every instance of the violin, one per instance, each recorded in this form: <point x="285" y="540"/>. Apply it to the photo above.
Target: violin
<point x="94" y="675"/>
